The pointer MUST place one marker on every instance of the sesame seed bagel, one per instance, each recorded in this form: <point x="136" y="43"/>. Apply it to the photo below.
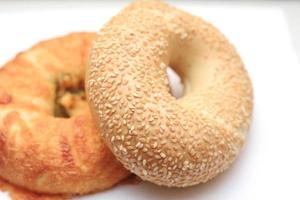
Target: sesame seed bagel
<point x="168" y="141"/>
<point x="48" y="138"/>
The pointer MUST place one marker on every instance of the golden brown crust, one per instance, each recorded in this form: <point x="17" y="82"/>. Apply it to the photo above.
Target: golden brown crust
<point x="37" y="150"/>
<point x="163" y="140"/>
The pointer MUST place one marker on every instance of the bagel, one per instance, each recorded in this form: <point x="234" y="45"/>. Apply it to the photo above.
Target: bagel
<point x="48" y="139"/>
<point x="168" y="141"/>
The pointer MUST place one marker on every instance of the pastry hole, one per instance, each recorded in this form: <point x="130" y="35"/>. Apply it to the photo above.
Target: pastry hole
<point x="175" y="83"/>
<point x="70" y="95"/>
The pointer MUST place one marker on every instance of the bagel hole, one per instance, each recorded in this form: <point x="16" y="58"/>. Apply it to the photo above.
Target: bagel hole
<point x="69" y="92"/>
<point x="175" y="83"/>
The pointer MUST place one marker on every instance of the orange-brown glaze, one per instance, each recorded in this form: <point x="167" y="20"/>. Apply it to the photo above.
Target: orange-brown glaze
<point x="42" y="152"/>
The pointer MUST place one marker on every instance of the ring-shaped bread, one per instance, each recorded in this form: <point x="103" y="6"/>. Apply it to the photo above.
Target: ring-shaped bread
<point x="48" y="139"/>
<point x="168" y="141"/>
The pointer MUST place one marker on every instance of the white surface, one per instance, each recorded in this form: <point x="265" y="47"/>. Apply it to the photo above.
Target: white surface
<point x="269" y="166"/>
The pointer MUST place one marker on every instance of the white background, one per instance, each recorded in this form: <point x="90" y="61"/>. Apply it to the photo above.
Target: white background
<point x="269" y="165"/>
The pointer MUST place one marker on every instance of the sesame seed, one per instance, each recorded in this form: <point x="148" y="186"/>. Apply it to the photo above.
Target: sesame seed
<point x="145" y="172"/>
<point x="112" y="139"/>
<point x="162" y="155"/>
<point x="154" y="145"/>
